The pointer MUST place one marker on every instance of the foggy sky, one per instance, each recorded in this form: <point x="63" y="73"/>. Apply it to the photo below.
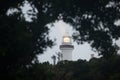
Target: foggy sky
<point x="80" y="51"/>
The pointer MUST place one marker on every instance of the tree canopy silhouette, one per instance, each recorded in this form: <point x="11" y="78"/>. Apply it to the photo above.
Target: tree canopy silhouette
<point x="96" y="22"/>
<point x="21" y="41"/>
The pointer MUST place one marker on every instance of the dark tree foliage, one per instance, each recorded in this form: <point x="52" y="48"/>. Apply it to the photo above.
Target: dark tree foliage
<point x="21" y="41"/>
<point x="94" y="21"/>
<point x="95" y="69"/>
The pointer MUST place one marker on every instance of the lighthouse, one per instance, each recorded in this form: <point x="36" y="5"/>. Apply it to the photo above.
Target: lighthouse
<point x="66" y="47"/>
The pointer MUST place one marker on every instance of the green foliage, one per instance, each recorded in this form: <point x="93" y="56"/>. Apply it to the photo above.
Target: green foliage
<point x="95" y="69"/>
<point x="21" y="41"/>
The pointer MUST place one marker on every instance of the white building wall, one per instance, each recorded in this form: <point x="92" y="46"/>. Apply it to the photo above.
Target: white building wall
<point x="67" y="54"/>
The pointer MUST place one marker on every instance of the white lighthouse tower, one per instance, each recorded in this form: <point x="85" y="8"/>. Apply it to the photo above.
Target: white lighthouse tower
<point x="66" y="47"/>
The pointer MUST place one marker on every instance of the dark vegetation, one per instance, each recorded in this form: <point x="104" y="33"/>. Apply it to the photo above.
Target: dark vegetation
<point x="21" y="41"/>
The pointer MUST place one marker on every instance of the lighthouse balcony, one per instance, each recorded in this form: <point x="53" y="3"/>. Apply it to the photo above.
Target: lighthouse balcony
<point x="66" y="47"/>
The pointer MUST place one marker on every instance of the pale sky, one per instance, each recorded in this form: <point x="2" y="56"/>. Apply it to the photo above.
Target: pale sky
<point x="82" y="51"/>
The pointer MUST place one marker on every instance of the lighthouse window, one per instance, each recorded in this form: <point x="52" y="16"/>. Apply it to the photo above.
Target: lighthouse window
<point x="66" y="39"/>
